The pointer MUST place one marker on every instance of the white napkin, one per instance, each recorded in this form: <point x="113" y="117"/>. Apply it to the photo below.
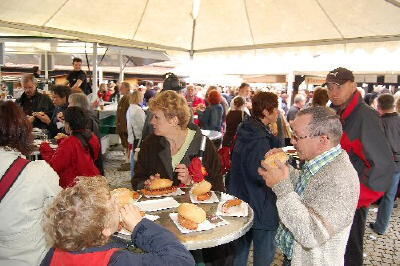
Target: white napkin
<point x="239" y="211"/>
<point x="158" y="204"/>
<point x="204" y="226"/>
<point x="212" y="199"/>
<point x="178" y="192"/>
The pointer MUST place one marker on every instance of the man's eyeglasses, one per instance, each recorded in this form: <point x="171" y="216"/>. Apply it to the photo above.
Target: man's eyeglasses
<point x="296" y="138"/>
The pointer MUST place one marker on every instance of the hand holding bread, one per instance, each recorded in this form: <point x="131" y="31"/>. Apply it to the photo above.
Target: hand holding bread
<point x="273" y="168"/>
<point x="131" y="216"/>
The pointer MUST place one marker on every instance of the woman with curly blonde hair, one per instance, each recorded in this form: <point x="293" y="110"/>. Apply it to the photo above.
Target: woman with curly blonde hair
<point x="82" y="219"/>
<point x="175" y="142"/>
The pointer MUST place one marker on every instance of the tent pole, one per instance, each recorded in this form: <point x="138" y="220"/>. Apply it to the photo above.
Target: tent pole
<point x="191" y="52"/>
<point x="94" y="85"/>
<point x="121" y="67"/>
<point x="46" y="71"/>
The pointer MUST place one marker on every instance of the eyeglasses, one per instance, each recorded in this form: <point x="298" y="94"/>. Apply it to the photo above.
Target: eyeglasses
<point x="297" y="138"/>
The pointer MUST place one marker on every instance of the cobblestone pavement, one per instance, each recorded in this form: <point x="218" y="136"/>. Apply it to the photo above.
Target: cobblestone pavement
<point x="378" y="250"/>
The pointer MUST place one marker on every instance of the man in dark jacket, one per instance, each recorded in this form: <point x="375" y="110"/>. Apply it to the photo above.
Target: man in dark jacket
<point x="33" y="102"/>
<point x="391" y="126"/>
<point x="55" y="123"/>
<point x="254" y="140"/>
<point x="369" y="152"/>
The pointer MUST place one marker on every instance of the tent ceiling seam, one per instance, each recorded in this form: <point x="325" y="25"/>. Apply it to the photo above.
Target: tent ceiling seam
<point x="248" y="21"/>
<point x="140" y="20"/>
<point x="381" y="38"/>
<point x="87" y="37"/>
<point x="55" y="13"/>
<point x="394" y="2"/>
<point x="330" y="19"/>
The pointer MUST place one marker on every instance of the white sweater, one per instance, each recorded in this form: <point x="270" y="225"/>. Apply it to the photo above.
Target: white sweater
<point x="22" y="239"/>
<point x="135" y="117"/>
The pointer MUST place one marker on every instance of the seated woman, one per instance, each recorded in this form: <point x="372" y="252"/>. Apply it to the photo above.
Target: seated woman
<point x="82" y="219"/>
<point x="81" y="100"/>
<point x="22" y="202"/>
<point x="170" y="150"/>
<point x="77" y="154"/>
<point x="212" y="117"/>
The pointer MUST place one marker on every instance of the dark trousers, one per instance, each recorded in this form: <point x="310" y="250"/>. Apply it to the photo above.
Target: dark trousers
<point x="354" y="250"/>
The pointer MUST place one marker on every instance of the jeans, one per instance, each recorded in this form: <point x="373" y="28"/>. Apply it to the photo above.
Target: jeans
<point x="386" y="206"/>
<point x="354" y="249"/>
<point x="263" y="247"/>
<point x="132" y="162"/>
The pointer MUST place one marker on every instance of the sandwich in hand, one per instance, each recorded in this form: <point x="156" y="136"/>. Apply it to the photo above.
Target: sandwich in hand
<point x="158" y="187"/>
<point x="202" y="190"/>
<point x="60" y="136"/>
<point x="190" y="216"/>
<point x="278" y="156"/>
<point x="124" y="195"/>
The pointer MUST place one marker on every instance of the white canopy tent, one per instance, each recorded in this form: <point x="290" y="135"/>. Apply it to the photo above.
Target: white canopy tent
<point x="226" y="36"/>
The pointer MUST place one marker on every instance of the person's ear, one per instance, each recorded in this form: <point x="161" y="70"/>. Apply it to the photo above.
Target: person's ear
<point x="107" y="232"/>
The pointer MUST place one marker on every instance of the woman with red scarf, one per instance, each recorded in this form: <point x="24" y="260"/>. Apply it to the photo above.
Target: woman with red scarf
<point x="77" y="154"/>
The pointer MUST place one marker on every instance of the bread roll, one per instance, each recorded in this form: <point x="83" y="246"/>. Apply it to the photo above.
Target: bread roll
<point x="201" y="188"/>
<point x="204" y="196"/>
<point x="160" y="183"/>
<point x="192" y="212"/>
<point x="279" y="156"/>
<point x="124" y="195"/>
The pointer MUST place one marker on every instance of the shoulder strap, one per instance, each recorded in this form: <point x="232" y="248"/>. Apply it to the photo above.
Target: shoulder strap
<point x="11" y="175"/>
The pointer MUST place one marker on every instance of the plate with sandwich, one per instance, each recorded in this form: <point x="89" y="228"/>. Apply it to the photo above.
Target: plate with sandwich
<point x="191" y="218"/>
<point x="125" y="196"/>
<point x="201" y="193"/>
<point x="161" y="187"/>
<point x="231" y="206"/>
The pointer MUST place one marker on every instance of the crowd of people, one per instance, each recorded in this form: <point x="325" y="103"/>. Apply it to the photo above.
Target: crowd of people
<point x="60" y="208"/>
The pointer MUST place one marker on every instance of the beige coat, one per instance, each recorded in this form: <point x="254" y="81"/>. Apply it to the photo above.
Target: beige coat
<point x="320" y="221"/>
<point x="21" y="210"/>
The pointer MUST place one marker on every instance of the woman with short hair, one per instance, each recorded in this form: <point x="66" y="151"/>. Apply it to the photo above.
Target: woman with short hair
<point x="22" y="240"/>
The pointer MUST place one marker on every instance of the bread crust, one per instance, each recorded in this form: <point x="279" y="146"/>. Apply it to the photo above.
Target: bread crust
<point x="192" y="212"/>
<point x="124" y="195"/>
<point x="160" y="183"/>
<point x="232" y="203"/>
<point x="201" y="188"/>
<point x="279" y="156"/>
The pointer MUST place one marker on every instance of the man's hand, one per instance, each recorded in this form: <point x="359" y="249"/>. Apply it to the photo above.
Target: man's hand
<point x="183" y="174"/>
<point x="131" y="216"/>
<point x="151" y="178"/>
<point x="60" y="116"/>
<point x="273" y="176"/>
<point x="43" y="117"/>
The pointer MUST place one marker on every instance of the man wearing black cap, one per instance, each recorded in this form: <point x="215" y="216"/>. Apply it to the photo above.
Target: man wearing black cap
<point x="369" y="152"/>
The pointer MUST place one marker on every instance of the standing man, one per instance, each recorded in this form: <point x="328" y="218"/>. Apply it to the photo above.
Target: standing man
<point x="77" y="78"/>
<point x="33" y="102"/>
<point x="298" y="103"/>
<point x="244" y="92"/>
<point x="391" y="126"/>
<point x="316" y="205"/>
<point x="122" y="129"/>
<point x="368" y="149"/>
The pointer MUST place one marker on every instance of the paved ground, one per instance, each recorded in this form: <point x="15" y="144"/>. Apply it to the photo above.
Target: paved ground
<point x="379" y="250"/>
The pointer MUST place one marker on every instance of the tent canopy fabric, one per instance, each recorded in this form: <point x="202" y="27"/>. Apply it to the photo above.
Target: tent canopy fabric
<point x="220" y="25"/>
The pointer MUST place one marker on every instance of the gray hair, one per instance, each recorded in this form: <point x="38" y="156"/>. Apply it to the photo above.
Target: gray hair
<point x="299" y="98"/>
<point x="324" y="121"/>
<point x="80" y="100"/>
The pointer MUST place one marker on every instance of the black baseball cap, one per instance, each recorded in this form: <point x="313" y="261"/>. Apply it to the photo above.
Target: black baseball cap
<point x="339" y="76"/>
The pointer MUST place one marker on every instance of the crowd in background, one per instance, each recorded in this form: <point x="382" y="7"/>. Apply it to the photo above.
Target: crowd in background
<point x="252" y="122"/>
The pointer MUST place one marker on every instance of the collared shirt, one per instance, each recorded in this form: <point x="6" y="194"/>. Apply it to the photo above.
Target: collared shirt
<point x="284" y="238"/>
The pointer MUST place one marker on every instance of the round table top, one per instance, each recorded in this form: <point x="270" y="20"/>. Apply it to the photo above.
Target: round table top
<point x="236" y="228"/>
